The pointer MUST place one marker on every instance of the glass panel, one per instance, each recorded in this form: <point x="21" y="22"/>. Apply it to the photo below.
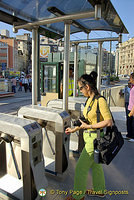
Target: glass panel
<point x="33" y="10"/>
<point x="49" y="78"/>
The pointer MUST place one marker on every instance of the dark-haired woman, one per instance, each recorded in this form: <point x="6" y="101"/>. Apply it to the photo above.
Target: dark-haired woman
<point x="87" y="86"/>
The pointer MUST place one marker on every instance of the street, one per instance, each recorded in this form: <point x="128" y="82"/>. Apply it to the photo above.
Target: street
<point x="10" y="105"/>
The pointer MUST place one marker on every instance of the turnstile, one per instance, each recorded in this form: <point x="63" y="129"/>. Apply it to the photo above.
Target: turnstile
<point x="75" y="109"/>
<point x="55" y="141"/>
<point x="21" y="158"/>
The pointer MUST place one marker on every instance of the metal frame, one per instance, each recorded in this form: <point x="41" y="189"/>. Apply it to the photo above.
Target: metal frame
<point x="56" y="19"/>
<point x="99" y="68"/>
<point x="68" y="20"/>
<point x="66" y="65"/>
<point x="97" y="40"/>
<point x="42" y="75"/>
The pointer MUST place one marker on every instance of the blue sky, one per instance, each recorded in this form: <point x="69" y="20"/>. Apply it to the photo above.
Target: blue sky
<point x="124" y="9"/>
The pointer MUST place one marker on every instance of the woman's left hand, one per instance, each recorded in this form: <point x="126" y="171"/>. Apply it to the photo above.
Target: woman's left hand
<point x="84" y="125"/>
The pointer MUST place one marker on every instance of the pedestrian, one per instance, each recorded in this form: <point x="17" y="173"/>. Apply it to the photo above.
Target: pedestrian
<point x="20" y="85"/>
<point x="130" y="123"/>
<point x="126" y="93"/>
<point x="87" y="86"/>
<point x="25" y="83"/>
<point x="6" y="84"/>
<point x="30" y="84"/>
<point x="13" y="81"/>
<point x="70" y="85"/>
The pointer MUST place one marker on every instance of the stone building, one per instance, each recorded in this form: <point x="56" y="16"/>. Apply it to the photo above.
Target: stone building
<point x="126" y="57"/>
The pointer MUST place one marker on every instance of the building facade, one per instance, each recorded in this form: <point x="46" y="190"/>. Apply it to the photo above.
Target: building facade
<point x="24" y="52"/>
<point x="9" y="53"/>
<point x="126" y="57"/>
<point x="3" y="56"/>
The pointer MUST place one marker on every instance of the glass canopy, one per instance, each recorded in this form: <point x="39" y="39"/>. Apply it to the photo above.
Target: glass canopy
<point x="20" y="12"/>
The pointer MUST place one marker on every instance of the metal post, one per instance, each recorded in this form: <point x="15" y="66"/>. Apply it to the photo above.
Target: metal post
<point x="75" y="70"/>
<point x="117" y="60"/>
<point x="110" y="66"/>
<point x="34" y="66"/>
<point x="38" y="66"/>
<point x="99" y="68"/>
<point x="87" y="39"/>
<point x="66" y="65"/>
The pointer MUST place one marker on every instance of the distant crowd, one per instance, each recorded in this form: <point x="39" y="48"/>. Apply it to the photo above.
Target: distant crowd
<point x="25" y="82"/>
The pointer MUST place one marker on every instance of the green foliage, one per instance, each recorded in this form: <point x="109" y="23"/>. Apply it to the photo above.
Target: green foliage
<point x="114" y="78"/>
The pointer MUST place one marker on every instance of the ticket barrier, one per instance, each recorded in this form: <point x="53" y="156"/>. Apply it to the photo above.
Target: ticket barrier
<point x="22" y="165"/>
<point x="55" y="141"/>
<point x="75" y="109"/>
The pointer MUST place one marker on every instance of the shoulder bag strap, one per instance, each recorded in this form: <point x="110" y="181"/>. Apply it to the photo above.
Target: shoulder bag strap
<point x="109" y="110"/>
<point x="91" y="104"/>
<point x="98" y="118"/>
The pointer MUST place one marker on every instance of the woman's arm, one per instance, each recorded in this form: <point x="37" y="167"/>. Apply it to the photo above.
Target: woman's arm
<point x="101" y="124"/>
<point x="131" y="112"/>
<point x="72" y="130"/>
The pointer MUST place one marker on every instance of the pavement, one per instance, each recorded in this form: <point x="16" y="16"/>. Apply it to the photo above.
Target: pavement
<point x="119" y="175"/>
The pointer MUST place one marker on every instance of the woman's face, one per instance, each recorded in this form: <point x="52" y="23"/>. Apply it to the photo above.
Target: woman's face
<point x="85" y="89"/>
<point x="131" y="80"/>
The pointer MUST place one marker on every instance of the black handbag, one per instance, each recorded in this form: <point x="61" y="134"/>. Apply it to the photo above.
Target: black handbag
<point x="110" y="144"/>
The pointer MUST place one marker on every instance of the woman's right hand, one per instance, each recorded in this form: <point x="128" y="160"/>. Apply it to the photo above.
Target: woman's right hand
<point x="68" y="130"/>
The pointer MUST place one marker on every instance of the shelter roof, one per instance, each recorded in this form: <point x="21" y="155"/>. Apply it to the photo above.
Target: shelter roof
<point x="20" y="12"/>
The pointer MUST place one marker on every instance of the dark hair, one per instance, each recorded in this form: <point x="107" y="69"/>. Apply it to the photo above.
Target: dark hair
<point x="94" y="75"/>
<point x="89" y="80"/>
<point x="132" y="75"/>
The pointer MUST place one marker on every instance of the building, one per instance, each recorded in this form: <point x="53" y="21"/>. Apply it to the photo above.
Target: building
<point x="126" y="57"/>
<point x="45" y="40"/>
<point x="90" y="58"/>
<point x="3" y="57"/>
<point x="108" y="60"/>
<point x="5" y="33"/>
<point x="24" y="52"/>
<point x="9" y="50"/>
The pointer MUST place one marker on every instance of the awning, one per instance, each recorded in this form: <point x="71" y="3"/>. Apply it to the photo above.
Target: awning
<point x="20" y="12"/>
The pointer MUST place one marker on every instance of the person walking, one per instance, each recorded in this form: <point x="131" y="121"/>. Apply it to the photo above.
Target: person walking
<point x="20" y="85"/>
<point x="130" y="123"/>
<point x="126" y="93"/>
<point x="25" y="83"/>
<point x="6" y="84"/>
<point x="30" y="84"/>
<point x="13" y="81"/>
<point x="87" y="86"/>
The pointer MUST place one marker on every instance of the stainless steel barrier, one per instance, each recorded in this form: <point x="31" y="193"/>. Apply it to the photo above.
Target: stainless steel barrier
<point x="55" y="141"/>
<point x="75" y="109"/>
<point x="21" y="157"/>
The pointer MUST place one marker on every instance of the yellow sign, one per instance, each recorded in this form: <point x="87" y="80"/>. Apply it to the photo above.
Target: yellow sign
<point x="14" y="73"/>
<point x="44" y="51"/>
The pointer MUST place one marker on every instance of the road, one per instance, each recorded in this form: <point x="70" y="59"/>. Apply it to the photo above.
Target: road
<point x="10" y="105"/>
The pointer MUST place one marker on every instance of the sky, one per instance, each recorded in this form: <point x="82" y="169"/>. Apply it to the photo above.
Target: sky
<point x="125" y="11"/>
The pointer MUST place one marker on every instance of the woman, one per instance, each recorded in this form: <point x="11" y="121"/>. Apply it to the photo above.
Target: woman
<point x="130" y="119"/>
<point x="87" y="86"/>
